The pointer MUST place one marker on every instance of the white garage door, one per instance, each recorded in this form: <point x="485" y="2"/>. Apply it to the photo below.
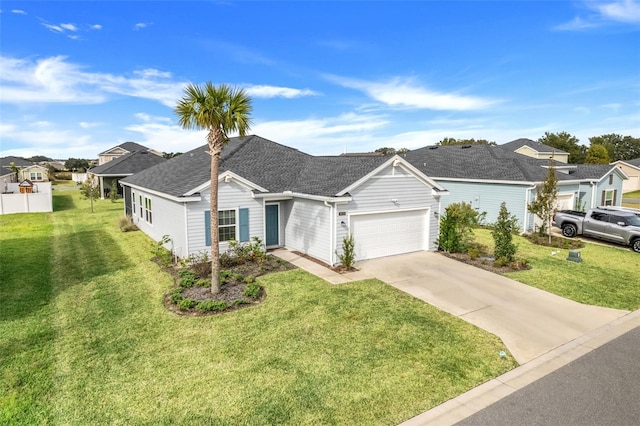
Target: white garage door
<point x="565" y="201"/>
<point x="386" y="234"/>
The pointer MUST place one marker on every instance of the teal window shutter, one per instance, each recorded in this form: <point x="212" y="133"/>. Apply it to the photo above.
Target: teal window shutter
<point x="207" y="227"/>
<point x="244" y="225"/>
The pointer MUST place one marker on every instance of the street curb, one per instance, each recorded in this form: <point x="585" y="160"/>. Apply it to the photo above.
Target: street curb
<point x="463" y="406"/>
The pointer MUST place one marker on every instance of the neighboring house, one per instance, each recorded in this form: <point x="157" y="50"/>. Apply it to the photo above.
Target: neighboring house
<point x="632" y="169"/>
<point x="35" y="173"/>
<point x="536" y="150"/>
<point x="123" y="166"/>
<point x="288" y="198"/>
<point x="485" y="176"/>
<point x="7" y="175"/>
<point x="121" y="150"/>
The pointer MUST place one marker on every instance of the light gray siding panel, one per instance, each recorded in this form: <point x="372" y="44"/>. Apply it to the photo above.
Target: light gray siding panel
<point x="487" y="197"/>
<point x="231" y="195"/>
<point x="604" y="185"/>
<point x="167" y="218"/>
<point x="307" y="228"/>
<point x="385" y="193"/>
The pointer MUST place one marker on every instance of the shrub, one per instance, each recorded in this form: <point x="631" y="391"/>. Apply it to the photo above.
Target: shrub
<point x="473" y="252"/>
<point x="176" y="298"/>
<point x="187" y="278"/>
<point x="186" y="304"/>
<point x="125" y="223"/>
<point x="203" y="283"/>
<point x="224" y="276"/>
<point x="252" y="290"/>
<point x="249" y="279"/>
<point x="455" y="227"/>
<point x="501" y="262"/>
<point x="239" y="253"/>
<point x="164" y="256"/>
<point x="200" y="264"/>
<point x="348" y="256"/>
<point x="212" y="305"/>
<point x="241" y="302"/>
<point x="502" y="234"/>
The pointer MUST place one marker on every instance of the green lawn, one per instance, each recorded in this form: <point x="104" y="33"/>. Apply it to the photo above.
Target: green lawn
<point x="85" y="339"/>
<point x="607" y="276"/>
<point x="634" y="194"/>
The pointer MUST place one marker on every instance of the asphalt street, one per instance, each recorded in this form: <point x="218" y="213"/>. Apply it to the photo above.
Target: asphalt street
<point x="599" y="388"/>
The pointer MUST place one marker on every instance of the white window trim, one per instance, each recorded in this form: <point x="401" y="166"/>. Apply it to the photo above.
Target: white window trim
<point x="148" y="212"/>
<point x="606" y="196"/>
<point x="235" y="225"/>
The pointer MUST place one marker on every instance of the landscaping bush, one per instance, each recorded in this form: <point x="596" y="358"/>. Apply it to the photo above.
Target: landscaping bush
<point x="239" y="253"/>
<point x="186" y="304"/>
<point x="348" y="255"/>
<point x="456" y="226"/>
<point x="556" y="242"/>
<point x="502" y="233"/>
<point x="252" y="290"/>
<point x="212" y="305"/>
<point x="200" y="264"/>
<point x="125" y="223"/>
<point x="187" y="278"/>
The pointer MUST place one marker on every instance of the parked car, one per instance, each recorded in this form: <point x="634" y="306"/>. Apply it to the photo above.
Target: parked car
<point x="617" y="225"/>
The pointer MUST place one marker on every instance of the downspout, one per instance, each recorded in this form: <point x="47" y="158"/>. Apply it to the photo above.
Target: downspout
<point x="186" y="231"/>
<point x="593" y="194"/>
<point x="332" y="236"/>
<point x="526" y="207"/>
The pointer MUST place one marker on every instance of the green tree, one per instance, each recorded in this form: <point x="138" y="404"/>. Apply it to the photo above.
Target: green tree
<point x="39" y="158"/>
<point x="15" y="169"/>
<point x="502" y="233"/>
<point x="90" y="189"/>
<point x="544" y="206"/>
<point x="454" y="141"/>
<point x="567" y="143"/>
<point x="597" y="154"/>
<point x="456" y="227"/>
<point x="79" y="164"/>
<point x="113" y="192"/>
<point x="619" y="147"/>
<point x="220" y="110"/>
<point x="170" y="154"/>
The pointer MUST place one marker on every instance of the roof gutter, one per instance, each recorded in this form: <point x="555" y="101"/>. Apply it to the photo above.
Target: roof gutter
<point x="163" y="195"/>
<point x="291" y="194"/>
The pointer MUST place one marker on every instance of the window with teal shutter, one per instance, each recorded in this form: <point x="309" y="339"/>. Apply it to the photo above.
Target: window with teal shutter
<point x="207" y="227"/>
<point x="244" y="224"/>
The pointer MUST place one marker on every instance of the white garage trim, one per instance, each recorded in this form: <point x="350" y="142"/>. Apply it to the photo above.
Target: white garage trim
<point x="387" y="233"/>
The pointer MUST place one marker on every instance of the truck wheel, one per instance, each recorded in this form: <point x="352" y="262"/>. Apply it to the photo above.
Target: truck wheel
<point x="635" y="245"/>
<point x="569" y="230"/>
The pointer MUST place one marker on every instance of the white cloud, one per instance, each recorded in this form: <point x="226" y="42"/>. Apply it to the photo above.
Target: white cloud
<point x="140" y="25"/>
<point x="54" y="28"/>
<point x="604" y="13"/>
<point x="18" y="12"/>
<point x="54" y="79"/>
<point x="69" y="27"/>
<point x="400" y="92"/>
<point x="627" y="11"/>
<point x="40" y="124"/>
<point x="152" y="73"/>
<point x="262" y="91"/>
<point x="88" y="125"/>
<point x="151" y="118"/>
<point x="96" y="27"/>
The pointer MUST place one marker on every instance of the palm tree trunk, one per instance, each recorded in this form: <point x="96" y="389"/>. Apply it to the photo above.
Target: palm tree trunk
<point x="215" y="150"/>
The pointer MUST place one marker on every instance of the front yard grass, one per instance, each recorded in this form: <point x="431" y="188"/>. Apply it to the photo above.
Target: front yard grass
<point x="633" y="194"/>
<point x="85" y="339"/>
<point x="607" y="276"/>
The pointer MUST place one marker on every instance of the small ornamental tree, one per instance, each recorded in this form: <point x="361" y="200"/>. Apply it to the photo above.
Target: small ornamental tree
<point x="502" y="234"/>
<point x="544" y="206"/>
<point x="455" y="227"/>
<point x="90" y="189"/>
<point x="113" y="193"/>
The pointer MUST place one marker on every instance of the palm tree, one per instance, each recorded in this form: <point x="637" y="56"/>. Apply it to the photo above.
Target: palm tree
<point x="219" y="110"/>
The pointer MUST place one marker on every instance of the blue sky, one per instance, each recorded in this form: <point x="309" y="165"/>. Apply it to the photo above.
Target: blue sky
<point x="77" y="78"/>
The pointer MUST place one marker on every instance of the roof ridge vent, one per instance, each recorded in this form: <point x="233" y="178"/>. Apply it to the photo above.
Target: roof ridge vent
<point x="465" y="146"/>
<point x="433" y="147"/>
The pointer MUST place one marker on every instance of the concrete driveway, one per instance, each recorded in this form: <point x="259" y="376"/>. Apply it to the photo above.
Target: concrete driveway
<point x="530" y="322"/>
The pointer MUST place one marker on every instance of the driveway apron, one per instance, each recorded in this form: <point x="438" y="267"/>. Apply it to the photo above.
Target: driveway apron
<point x="530" y="322"/>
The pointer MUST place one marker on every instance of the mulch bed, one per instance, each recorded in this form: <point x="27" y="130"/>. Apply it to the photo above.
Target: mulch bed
<point x="338" y="268"/>
<point x="231" y="290"/>
<point x="487" y="263"/>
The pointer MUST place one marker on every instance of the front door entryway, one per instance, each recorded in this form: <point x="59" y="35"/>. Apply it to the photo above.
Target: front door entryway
<point x="272" y="228"/>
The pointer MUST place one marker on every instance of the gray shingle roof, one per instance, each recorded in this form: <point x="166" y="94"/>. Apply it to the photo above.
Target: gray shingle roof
<point x="273" y="166"/>
<point x="486" y="162"/>
<point x="634" y="162"/>
<point x="5" y="162"/>
<point x="538" y="146"/>
<point x="133" y="162"/>
<point x="128" y="146"/>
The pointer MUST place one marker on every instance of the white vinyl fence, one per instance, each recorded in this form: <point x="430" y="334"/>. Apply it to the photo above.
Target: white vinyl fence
<point x="12" y="201"/>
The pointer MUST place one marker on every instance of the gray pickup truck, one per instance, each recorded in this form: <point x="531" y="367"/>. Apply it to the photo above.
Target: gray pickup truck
<point x="617" y="225"/>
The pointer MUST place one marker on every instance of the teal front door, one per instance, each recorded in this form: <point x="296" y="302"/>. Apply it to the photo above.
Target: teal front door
<point x="272" y="225"/>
